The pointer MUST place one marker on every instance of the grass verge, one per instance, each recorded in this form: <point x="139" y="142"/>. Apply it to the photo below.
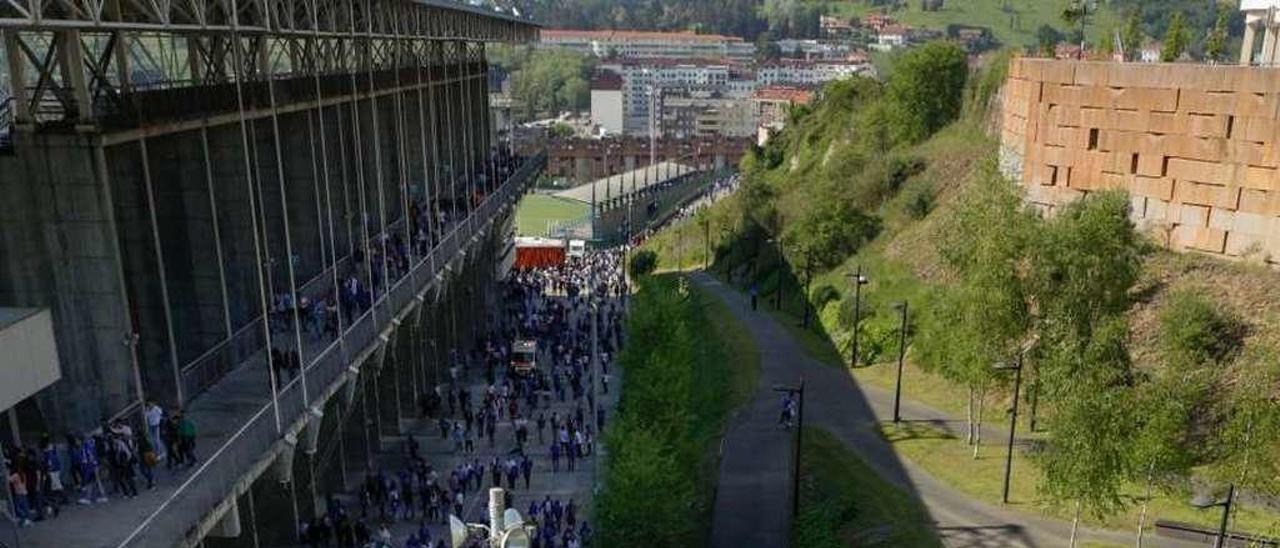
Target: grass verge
<point x="681" y="381"/>
<point x="950" y="460"/>
<point x="844" y="503"/>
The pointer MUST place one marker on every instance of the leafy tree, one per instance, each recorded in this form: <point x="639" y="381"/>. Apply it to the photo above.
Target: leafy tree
<point x="1216" y="43"/>
<point x="926" y="90"/>
<point x="1087" y="459"/>
<point x="1047" y="37"/>
<point x="1250" y="432"/>
<point x="1161" y="440"/>
<point x="643" y="262"/>
<point x="1131" y="35"/>
<point x="984" y="316"/>
<point x="833" y="230"/>
<point x="1082" y="268"/>
<point x="1076" y="14"/>
<point x="1176" y="39"/>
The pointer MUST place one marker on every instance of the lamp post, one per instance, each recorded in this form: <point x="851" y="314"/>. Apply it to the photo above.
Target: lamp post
<point x="808" y="278"/>
<point x="706" y="244"/>
<point x="1013" y="423"/>
<point x="777" y="296"/>
<point x="1204" y="502"/>
<point x="902" y="353"/>
<point x="858" y="281"/>
<point x="798" y="391"/>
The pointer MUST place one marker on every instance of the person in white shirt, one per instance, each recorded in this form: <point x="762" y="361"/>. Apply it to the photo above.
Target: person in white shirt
<point x="155" y="417"/>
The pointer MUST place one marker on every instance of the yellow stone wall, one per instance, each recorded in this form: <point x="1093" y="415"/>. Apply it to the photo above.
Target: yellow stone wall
<point x="1196" y="146"/>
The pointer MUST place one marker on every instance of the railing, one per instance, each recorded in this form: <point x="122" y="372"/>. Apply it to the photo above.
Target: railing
<point x="6" y="122"/>
<point x="226" y="465"/>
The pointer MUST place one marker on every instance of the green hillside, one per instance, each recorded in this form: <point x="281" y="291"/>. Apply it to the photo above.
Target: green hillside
<point x="1150" y="367"/>
<point x="1014" y="22"/>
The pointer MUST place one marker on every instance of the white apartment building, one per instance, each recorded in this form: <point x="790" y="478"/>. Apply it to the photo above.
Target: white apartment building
<point x="649" y="45"/>
<point x="807" y="73"/>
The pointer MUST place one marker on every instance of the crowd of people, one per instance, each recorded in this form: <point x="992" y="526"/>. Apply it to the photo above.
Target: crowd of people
<point x="93" y="467"/>
<point x="497" y="425"/>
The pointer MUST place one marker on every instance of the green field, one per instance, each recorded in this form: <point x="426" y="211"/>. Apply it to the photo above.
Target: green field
<point x="1014" y="22"/>
<point x="536" y="210"/>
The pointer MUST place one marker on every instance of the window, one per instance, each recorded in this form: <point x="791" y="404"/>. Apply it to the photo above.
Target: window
<point x="1093" y="138"/>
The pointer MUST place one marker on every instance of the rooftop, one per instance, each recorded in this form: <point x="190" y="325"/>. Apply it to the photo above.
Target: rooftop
<point x="627" y="182"/>
<point x="783" y="93"/>
<point x="634" y="36"/>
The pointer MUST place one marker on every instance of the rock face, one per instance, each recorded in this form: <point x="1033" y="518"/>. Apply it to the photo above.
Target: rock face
<point x="1194" y="145"/>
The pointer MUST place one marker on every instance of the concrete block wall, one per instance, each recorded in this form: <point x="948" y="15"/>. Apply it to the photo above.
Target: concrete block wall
<point x="1194" y="145"/>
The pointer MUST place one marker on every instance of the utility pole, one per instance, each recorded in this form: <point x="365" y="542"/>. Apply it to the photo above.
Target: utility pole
<point x="858" y="281"/>
<point x="902" y="352"/>
<point x="808" y="278"/>
<point x="797" y="391"/>
<point x="1013" y="425"/>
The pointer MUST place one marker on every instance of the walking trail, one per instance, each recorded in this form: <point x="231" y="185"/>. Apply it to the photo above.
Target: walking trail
<point x="753" y="502"/>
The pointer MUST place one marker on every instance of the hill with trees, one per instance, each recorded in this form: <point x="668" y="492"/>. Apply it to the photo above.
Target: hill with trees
<point x="1145" y="369"/>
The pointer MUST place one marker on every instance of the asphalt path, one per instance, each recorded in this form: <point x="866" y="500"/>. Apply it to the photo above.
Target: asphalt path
<point x="753" y="502"/>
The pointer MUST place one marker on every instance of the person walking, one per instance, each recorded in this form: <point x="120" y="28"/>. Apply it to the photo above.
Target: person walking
<point x="186" y="439"/>
<point x="122" y="460"/>
<point x="155" y="418"/>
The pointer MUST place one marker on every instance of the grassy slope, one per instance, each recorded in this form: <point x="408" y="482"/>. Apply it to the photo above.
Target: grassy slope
<point x="867" y="510"/>
<point x="535" y="210"/>
<point x="1016" y="29"/>
<point x="902" y="262"/>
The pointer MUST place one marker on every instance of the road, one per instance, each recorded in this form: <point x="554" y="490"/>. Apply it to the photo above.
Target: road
<point x="753" y="503"/>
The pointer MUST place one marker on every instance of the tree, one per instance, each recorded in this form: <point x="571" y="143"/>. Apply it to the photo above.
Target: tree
<point x="925" y="92"/>
<point x="643" y="262"/>
<point x="1076" y="14"/>
<point x="984" y="317"/>
<point x="1176" y="39"/>
<point x="1216" y="43"/>
<point x="1131" y="36"/>
<point x="1082" y="269"/>
<point x="1162" y="430"/>
<point x="1048" y="37"/>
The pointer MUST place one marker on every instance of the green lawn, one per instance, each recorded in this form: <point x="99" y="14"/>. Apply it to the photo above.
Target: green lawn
<point x="536" y="210"/>
<point x="843" y="502"/>
<point x="1015" y="27"/>
<point x="950" y="460"/>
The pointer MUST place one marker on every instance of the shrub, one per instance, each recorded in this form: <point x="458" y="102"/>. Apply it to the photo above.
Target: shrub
<point x="824" y="294"/>
<point x="643" y="263"/>
<point x="1196" y="331"/>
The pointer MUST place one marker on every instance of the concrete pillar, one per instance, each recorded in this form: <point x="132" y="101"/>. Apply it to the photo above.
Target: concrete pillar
<point x="1268" y="56"/>
<point x="1246" y="48"/>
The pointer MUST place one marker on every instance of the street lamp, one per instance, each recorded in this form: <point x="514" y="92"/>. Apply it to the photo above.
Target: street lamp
<point x="902" y="352"/>
<point x="777" y="297"/>
<point x="1205" y="502"/>
<point x="798" y="391"/>
<point x="858" y="281"/>
<point x="1016" y="367"/>
<point x="808" y="278"/>
<point x="706" y="243"/>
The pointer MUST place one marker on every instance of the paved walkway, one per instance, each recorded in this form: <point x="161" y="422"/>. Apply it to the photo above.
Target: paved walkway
<point x="758" y="455"/>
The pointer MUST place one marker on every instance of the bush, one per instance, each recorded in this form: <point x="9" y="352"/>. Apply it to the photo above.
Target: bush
<point x="926" y="90"/>
<point x="1195" y="331"/>
<point x="824" y="294"/>
<point x="643" y="263"/>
